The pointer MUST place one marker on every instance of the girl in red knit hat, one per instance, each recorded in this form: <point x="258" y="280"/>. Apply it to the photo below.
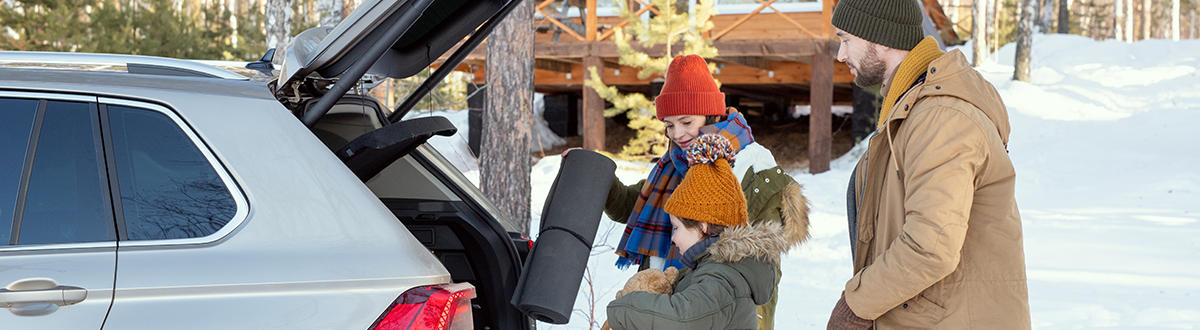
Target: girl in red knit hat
<point x="691" y="105"/>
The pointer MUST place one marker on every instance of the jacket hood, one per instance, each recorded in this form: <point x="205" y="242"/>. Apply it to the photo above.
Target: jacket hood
<point x="754" y="251"/>
<point x="795" y="215"/>
<point x="951" y="75"/>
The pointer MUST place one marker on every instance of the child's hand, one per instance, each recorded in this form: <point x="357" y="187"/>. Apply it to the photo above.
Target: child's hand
<point x="564" y="154"/>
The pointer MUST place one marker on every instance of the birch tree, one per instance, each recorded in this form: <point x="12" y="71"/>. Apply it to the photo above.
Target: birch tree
<point x="1117" y="32"/>
<point x="278" y="23"/>
<point x="1175" y="20"/>
<point x="1047" y="13"/>
<point x="1024" y="41"/>
<point x="1146" y="19"/>
<point x="978" y="32"/>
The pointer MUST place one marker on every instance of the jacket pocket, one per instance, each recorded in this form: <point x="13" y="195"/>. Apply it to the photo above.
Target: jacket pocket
<point x="916" y="313"/>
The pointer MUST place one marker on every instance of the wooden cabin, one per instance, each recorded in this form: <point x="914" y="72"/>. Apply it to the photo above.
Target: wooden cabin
<point x="773" y="55"/>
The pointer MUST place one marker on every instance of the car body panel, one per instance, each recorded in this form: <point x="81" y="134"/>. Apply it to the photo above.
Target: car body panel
<point x="91" y="266"/>
<point x="316" y="241"/>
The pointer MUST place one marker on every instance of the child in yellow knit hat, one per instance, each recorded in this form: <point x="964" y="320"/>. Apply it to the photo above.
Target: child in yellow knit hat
<point x="732" y="264"/>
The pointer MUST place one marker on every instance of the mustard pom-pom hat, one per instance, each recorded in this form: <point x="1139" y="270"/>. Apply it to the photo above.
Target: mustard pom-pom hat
<point x="710" y="192"/>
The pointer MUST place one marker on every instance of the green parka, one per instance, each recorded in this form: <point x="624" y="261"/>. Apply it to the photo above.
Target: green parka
<point x="732" y="277"/>
<point x="771" y="196"/>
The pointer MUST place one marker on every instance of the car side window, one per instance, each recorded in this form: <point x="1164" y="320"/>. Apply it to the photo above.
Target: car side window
<point x="65" y="199"/>
<point x="16" y="125"/>
<point x="168" y="188"/>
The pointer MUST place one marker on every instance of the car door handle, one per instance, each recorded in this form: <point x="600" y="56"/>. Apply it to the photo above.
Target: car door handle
<point x="40" y="290"/>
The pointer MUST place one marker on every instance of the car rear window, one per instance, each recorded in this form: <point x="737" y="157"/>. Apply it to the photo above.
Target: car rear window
<point x="65" y="201"/>
<point x="168" y="188"/>
<point x="16" y="124"/>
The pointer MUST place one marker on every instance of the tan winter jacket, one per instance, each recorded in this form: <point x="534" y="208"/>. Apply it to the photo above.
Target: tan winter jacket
<point x="939" y="241"/>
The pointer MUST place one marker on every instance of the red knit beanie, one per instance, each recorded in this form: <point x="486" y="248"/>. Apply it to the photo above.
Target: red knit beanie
<point x="689" y="90"/>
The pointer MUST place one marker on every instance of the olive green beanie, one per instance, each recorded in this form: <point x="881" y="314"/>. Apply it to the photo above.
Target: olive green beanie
<point x="892" y="23"/>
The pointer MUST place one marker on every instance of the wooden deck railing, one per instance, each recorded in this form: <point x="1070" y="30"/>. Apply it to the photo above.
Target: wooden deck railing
<point x="765" y="5"/>
<point x="592" y="30"/>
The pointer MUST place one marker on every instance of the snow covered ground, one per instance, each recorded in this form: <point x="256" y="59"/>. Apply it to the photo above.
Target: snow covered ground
<point x="1108" y="170"/>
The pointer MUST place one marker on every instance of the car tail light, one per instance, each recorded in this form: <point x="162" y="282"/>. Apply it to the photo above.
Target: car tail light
<point x="435" y="307"/>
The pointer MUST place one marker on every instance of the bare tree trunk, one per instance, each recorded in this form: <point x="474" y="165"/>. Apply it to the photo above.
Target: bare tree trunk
<point x="1024" y="41"/>
<point x="1175" y="20"/>
<point x="1129" y="21"/>
<point x="978" y="32"/>
<point x="1047" y="10"/>
<point x="1064" y="16"/>
<point x="330" y="11"/>
<point x="993" y="44"/>
<point x="504" y="156"/>
<point x="1117" y="32"/>
<point x="1146" y="19"/>
<point x="279" y="23"/>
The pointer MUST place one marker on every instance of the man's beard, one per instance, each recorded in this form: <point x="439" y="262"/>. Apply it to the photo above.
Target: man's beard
<point x="870" y="70"/>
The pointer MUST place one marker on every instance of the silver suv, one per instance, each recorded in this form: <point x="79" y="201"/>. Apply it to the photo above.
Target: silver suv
<point x="151" y="193"/>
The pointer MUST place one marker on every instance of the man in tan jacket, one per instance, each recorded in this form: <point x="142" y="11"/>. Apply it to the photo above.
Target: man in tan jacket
<point x="934" y="225"/>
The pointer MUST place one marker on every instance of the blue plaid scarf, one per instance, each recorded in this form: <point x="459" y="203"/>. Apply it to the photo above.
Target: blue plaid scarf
<point x="648" y="231"/>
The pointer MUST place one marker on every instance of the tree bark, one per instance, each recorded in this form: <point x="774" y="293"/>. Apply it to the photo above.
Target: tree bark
<point x="1064" y="16"/>
<point x="1024" y="41"/>
<point x="278" y="23"/>
<point x="504" y="159"/>
<point x="978" y="32"/>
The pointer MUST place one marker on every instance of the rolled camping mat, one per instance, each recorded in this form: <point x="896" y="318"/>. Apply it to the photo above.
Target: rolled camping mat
<point x="570" y="219"/>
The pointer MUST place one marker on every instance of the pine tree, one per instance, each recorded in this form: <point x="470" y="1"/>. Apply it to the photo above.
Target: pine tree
<point x="504" y="160"/>
<point x="188" y="30"/>
<point x="46" y="25"/>
<point x="667" y="28"/>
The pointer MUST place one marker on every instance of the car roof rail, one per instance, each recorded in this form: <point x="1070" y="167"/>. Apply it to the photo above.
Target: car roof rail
<point x="136" y="64"/>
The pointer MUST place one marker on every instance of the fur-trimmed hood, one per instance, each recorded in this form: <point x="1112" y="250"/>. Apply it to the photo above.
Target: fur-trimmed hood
<point x="766" y="241"/>
<point x="794" y="209"/>
<point x="753" y="251"/>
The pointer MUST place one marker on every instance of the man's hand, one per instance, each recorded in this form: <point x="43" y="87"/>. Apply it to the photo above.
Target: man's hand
<point x="844" y="319"/>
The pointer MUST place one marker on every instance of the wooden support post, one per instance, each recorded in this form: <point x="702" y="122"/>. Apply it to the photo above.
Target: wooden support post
<point x="820" y="139"/>
<point x="590" y="25"/>
<point x="593" y="107"/>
